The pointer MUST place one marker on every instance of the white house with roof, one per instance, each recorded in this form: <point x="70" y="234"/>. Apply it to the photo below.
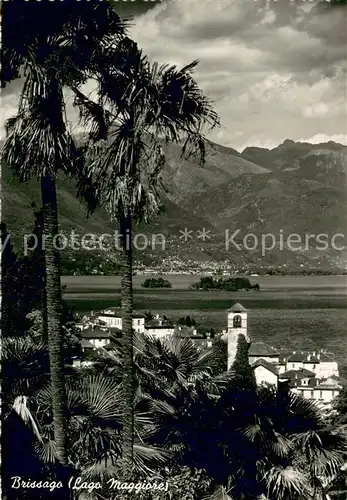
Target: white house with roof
<point x="113" y="318"/>
<point x="320" y="389"/>
<point x="260" y="350"/>
<point x="314" y="375"/>
<point x="300" y="377"/>
<point x="96" y="336"/>
<point x="87" y="345"/>
<point x="327" y="366"/>
<point x="191" y="333"/>
<point x="320" y="363"/>
<point x="265" y="372"/>
<point x="311" y="362"/>
<point x="324" y="391"/>
<point x="159" y="327"/>
<point x="296" y="361"/>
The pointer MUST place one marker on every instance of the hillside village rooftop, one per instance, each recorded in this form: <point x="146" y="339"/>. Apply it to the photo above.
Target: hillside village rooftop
<point x="314" y="375"/>
<point x="115" y="312"/>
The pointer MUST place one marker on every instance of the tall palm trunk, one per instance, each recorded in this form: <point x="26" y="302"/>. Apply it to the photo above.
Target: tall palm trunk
<point x="127" y="328"/>
<point x="54" y="327"/>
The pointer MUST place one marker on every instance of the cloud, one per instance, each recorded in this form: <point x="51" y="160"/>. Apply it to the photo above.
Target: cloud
<point x="274" y="69"/>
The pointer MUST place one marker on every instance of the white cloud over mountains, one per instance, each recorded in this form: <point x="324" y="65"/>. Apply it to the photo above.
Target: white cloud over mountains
<point x="274" y="69"/>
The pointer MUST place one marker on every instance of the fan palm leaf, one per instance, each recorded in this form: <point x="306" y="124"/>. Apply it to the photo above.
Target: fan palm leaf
<point x="287" y="483"/>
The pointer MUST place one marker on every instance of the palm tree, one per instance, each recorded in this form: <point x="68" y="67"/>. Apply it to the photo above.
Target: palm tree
<point x="147" y="106"/>
<point x="25" y="370"/>
<point x="63" y="50"/>
<point x="38" y="143"/>
<point x="202" y="421"/>
<point x="94" y="404"/>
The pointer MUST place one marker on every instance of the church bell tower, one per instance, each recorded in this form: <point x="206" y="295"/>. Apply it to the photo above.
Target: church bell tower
<point x="237" y="325"/>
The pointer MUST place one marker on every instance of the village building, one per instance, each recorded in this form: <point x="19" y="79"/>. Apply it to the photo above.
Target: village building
<point x="311" y="362"/>
<point x="113" y="318"/>
<point x="87" y="345"/>
<point x="313" y="375"/>
<point x="188" y="332"/>
<point x="296" y="360"/>
<point x="300" y="377"/>
<point x="327" y="365"/>
<point x="237" y="325"/>
<point x="265" y="372"/>
<point x="96" y="336"/>
<point x="159" y="327"/>
<point x="259" y="350"/>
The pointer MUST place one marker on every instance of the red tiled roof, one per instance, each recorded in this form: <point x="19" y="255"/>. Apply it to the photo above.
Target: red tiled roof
<point x="95" y="333"/>
<point x="265" y="364"/>
<point x="301" y="373"/>
<point x="156" y="323"/>
<point x="284" y="355"/>
<point x="312" y="382"/>
<point x="86" y="344"/>
<point x="298" y="357"/>
<point x="116" y="313"/>
<point x="313" y="360"/>
<point x="328" y="387"/>
<point x="114" y="329"/>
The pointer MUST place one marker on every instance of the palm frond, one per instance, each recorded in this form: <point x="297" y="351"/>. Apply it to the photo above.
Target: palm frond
<point x="147" y="459"/>
<point x="148" y="104"/>
<point x="287" y="482"/>
<point x="20" y="406"/>
<point x="220" y="493"/>
<point x="39" y="121"/>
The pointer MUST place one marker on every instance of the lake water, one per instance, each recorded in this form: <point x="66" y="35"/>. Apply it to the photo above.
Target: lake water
<point x="337" y="283"/>
<point x="296" y="312"/>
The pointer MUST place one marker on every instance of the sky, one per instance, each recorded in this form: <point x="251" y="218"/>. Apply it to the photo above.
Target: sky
<point x="275" y="70"/>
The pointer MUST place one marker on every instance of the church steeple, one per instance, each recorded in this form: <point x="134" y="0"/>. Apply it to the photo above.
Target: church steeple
<point x="237" y="324"/>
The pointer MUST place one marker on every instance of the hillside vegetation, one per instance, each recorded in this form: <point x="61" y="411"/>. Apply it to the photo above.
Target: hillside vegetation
<point x="293" y="188"/>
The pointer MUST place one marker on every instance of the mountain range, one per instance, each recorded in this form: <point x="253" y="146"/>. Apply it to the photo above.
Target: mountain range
<point x="294" y="188"/>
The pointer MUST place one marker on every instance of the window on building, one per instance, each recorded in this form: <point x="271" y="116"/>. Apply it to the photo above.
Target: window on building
<point x="321" y="394"/>
<point x="293" y="365"/>
<point x="314" y="366"/>
<point x="311" y="394"/>
<point x="237" y="321"/>
<point x="138" y="321"/>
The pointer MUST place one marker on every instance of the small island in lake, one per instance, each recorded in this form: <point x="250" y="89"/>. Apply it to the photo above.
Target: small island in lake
<point x="156" y="283"/>
<point x="229" y="284"/>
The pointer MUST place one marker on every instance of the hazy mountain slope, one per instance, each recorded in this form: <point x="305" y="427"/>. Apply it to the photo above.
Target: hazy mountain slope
<point x="286" y="153"/>
<point x="185" y="177"/>
<point x="293" y="188"/>
<point x="17" y="198"/>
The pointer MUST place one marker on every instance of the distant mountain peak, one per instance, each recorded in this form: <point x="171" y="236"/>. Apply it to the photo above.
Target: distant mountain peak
<point x="296" y="187"/>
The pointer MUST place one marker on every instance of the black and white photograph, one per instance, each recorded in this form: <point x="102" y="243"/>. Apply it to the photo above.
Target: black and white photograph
<point x="173" y="209"/>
